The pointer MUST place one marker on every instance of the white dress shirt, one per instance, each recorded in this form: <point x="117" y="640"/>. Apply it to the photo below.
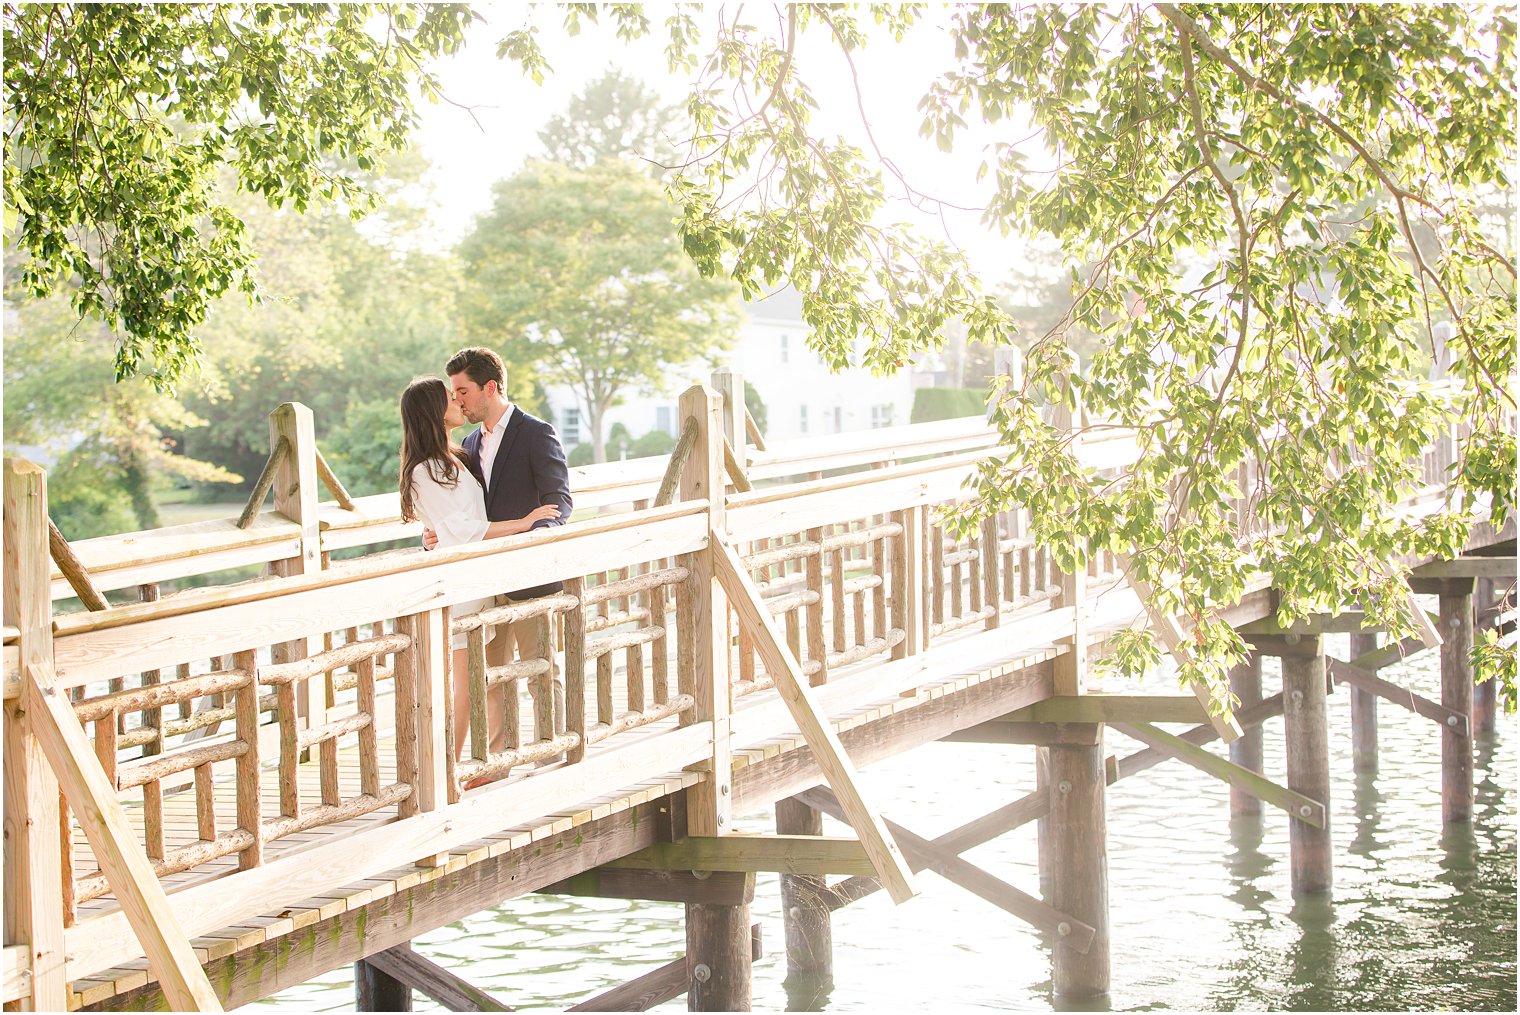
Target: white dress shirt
<point x="490" y="443"/>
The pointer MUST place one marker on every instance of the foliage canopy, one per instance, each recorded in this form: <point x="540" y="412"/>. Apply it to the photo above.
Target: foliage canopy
<point x="579" y="272"/>
<point x="1275" y="206"/>
<point x="119" y="116"/>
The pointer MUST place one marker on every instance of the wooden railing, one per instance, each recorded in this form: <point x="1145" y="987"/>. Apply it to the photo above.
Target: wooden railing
<point x="221" y="693"/>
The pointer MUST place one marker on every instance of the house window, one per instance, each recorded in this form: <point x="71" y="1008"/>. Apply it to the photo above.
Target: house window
<point x="802" y="422"/>
<point x="882" y="415"/>
<point x="664" y="419"/>
<point x="785" y="351"/>
<point x="572" y="428"/>
<point x="839" y="419"/>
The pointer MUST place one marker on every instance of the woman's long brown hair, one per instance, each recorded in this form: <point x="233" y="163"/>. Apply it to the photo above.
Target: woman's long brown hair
<point x="425" y="438"/>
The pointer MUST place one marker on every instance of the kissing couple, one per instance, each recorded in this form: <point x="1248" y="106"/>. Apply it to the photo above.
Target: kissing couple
<point x="509" y="476"/>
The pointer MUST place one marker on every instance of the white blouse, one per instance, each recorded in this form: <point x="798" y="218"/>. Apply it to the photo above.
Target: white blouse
<point x="457" y="513"/>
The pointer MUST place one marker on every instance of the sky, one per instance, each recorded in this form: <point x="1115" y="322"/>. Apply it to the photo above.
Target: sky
<point x="488" y="125"/>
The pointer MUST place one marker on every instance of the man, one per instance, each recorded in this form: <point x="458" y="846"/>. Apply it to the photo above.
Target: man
<point x="524" y="467"/>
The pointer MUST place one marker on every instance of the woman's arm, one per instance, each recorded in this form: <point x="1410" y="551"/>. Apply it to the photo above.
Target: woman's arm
<point x="513" y="526"/>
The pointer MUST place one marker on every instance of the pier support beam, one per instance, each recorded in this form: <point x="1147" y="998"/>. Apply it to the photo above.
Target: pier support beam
<point x="719" y="960"/>
<point x="1456" y="624"/>
<point x="1245" y="750"/>
<point x="804" y="912"/>
<point x="1306" y="730"/>
<point x="1079" y="856"/>
<point x="1364" y="731"/>
<point x="375" y="990"/>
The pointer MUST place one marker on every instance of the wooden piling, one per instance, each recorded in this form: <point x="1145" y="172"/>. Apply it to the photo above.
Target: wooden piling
<point x="1306" y="729"/>
<point x="1364" y="732"/>
<point x="804" y="913"/>
<point x="1245" y="750"/>
<point x="1456" y="694"/>
<point x="719" y="963"/>
<point x="1079" y="855"/>
<point x="375" y="990"/>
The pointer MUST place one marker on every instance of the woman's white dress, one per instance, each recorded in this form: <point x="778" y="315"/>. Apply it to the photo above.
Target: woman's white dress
<point x="457" y="513"/>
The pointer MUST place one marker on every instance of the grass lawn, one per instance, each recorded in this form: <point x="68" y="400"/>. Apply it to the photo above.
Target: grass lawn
<point x="176" y="508"/>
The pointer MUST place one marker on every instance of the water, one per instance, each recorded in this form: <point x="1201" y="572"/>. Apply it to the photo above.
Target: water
<point x="1202" y="918"/>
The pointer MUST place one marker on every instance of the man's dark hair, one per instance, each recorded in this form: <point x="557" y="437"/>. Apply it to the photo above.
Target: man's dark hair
<point x="480" y="365"/>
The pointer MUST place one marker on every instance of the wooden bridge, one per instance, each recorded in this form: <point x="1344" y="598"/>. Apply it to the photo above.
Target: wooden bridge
<point x="217" y="794"/>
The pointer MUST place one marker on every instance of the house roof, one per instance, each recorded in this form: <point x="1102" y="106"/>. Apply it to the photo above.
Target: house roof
<point x="782" y="305"/>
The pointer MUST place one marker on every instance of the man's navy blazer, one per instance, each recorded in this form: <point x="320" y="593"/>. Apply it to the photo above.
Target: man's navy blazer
<point x="529" y="471"/>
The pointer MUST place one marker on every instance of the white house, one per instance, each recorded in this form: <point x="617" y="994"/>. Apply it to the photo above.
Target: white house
<point x="801" y="395"/>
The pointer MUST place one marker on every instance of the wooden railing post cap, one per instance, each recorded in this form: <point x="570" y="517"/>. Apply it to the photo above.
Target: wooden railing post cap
<point x="21" y="466"/>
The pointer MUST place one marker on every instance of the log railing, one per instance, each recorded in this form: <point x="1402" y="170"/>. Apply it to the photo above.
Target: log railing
<point x="320" y="696"/>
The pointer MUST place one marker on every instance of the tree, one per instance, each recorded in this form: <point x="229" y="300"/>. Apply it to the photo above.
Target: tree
<point x="579" y="272"/>
<point x="112" y="439"/>
<point x="350" y="315"/>
<point x="1277" y="204"/>
<point x="119" y="117"/>
<point x="616" y="116"/>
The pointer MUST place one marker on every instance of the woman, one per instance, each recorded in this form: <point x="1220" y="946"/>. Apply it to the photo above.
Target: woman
<point x="440" y="487"/>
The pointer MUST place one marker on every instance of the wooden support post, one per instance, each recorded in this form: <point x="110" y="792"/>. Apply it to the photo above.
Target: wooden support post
<point x="704" y="623"/>
<point x="1079" y="849"/>
<point x="1245" y="750"/>
<point x="377" y="990"/>
<point x="991" y="574"/>
<point x="1071" y="666"/>
<point x="34" y="873"/>
<point x="804" y="913"/>
<point x="719" y="957"/>
<point x="730" y="387"/>
<point x="1456" y="627"/>
<point x="1364" y="731"/>
<point x="1457" y="695"/>
<point x="1306" y="730"/>
<point x="295" y="497"/>
<point x="907" y="579"/>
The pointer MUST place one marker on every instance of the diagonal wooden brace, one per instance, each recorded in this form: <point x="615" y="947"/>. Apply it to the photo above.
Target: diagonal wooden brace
<point x="925" y="853"/>
<point x="125" y="863"/>
<point x="814" y="725"/>
<point x="421" y="973"/>
<point x="1299" y="806"/>
<point x="265" y="481"/>
<point x="1175" y="639"/>
<point x="1349" y="673"/>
